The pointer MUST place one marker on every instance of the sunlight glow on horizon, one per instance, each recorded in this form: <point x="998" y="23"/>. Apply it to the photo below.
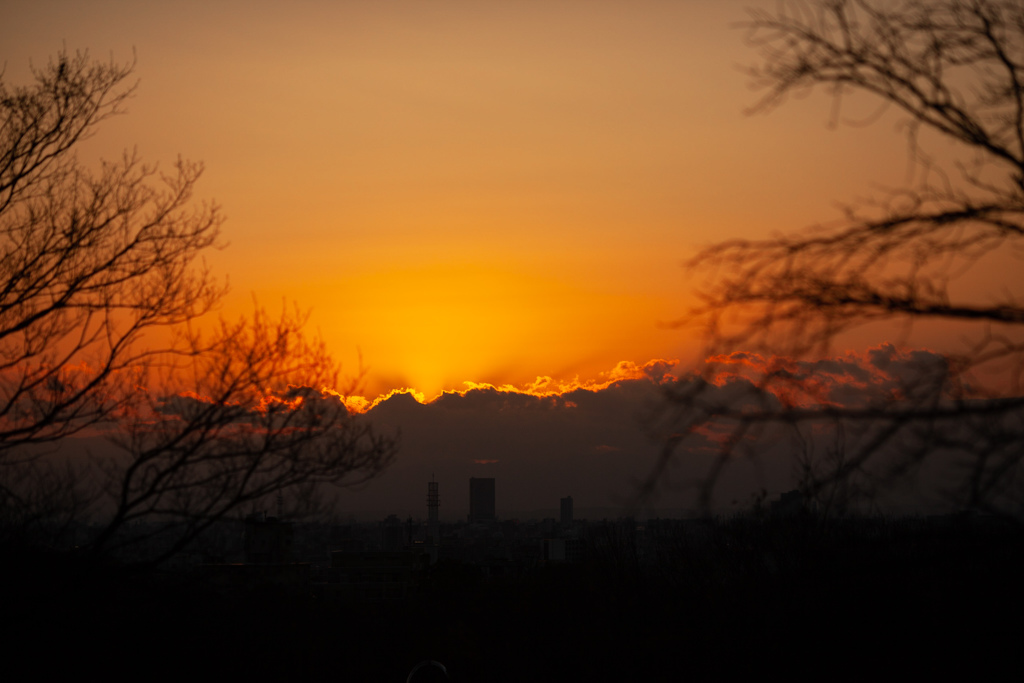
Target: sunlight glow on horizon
<point x="656" y="370"/>
<point x="436" y="326"/>
<point x="468" y="193"/>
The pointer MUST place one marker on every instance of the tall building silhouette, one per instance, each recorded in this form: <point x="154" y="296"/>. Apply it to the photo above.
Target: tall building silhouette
<point x="433" y="503"/>
<point x="481" y="499"/>
<point x="566" y="512"/>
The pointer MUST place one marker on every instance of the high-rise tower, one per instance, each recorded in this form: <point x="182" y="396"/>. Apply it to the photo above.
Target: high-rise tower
<point x="433" y="503"/>
<point x="481" y="499"/>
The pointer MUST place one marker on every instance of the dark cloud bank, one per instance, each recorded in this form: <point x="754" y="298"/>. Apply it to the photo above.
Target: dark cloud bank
<point x="587" y="444"/>
<point x="597" y="444"/>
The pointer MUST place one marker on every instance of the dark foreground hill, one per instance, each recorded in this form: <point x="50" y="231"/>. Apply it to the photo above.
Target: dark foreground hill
<point x="885" y="599"/>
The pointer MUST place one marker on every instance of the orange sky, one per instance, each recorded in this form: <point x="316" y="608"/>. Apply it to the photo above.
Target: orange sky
<point x="468" y="191"/>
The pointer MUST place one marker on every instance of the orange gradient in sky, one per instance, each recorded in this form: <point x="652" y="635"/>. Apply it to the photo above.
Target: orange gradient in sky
<point x="469" y="191"/>
<point x="443" y="324"/>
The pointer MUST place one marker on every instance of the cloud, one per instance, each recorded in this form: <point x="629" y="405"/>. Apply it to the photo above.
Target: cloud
<point x="659" y="371"/>
<point x="596" y="439"/>
<point x="655" y="370"/>
<point x="541" y="441"/>
<point x="853" y="379"/>
<point x="321" y="402"/>
<point x="186" y="405"/>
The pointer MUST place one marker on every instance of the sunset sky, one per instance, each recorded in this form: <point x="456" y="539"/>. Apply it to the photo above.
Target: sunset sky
<point x="465" y="191"/>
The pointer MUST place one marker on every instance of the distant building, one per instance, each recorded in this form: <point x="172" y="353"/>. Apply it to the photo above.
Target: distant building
<point x="481" y="499"/>
<point x="374" y="575"/>
<point x="288" y="578"/>
<point x="791" y="504"/>
<point x="561" y="550"/>
<point x="267" y="540"/>
<point x="553" y="549"/>
<point x="267" y="553"/>
<point x="433" y="503"/>
<point x="566" y="512"/>
<point x="392" y="534"/>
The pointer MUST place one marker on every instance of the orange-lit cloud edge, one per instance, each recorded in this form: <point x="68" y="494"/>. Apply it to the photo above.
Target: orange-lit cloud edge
<point x="837" y="380"/>
<point x="656" y="370"/>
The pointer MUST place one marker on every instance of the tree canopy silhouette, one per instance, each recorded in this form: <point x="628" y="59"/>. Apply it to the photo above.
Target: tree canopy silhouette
<point x="954" y="69"/>
<point x="102" y="287"/>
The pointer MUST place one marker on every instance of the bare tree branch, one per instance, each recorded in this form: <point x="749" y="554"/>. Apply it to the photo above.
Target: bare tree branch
<point x="102" y="288"/>
<point x="956" y="68"/>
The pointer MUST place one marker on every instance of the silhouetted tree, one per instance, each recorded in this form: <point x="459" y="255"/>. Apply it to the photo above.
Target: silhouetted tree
<point x="101" y="290"/>
<point x="955" y="70"/>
